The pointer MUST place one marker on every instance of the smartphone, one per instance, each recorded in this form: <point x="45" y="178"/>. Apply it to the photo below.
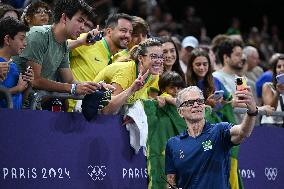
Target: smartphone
<point x="280" y="78"/>
<point x="92" y="39"/>
<point x="218" y="94"/>
<point x="241" y="83"/>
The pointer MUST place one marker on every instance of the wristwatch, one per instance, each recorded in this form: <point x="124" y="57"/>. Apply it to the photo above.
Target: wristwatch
<point x="253" y="113"/>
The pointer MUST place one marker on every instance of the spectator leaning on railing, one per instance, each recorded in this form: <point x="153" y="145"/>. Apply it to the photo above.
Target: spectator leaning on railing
<point x="47" y="50"/>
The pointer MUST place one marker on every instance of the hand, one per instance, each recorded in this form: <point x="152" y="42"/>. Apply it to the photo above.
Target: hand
<point x="28" y="76"/>
<point x="212" y="101"/>
<point x="161" y="101"/>
<point x="246" y="97"/>
<point x="93" y="33"/>
<point x="107" y="86"/>
<point x="268" y="109"/>
<point x="139" y="82"/>
<point x="21" y="85"/>
<point x="4" y="69"/>
<point x="86" y="88"/>
<point x="280" y="88"/>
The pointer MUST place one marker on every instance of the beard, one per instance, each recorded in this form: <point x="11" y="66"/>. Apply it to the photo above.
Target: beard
<point x="237" y="66"/>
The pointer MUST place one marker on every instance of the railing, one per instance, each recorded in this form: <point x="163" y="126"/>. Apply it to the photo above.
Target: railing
<point x="4" y="93"/>
<point x="260" y="112"/>
<point x="41" y="95"/>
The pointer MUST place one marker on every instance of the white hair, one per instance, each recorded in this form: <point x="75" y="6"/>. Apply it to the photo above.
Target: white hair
<point x="180" y="94"/>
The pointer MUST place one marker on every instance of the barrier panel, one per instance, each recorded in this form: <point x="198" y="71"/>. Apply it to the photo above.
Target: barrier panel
<point x="261" y="159"/>
<point x="43" y="150"/>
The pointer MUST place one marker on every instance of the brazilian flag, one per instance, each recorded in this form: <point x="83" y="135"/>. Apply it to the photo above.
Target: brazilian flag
<point x="163" y="123"/>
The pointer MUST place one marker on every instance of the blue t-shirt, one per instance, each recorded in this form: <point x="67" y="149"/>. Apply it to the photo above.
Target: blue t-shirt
<point x="265" y="77"/>
<point x="11" y="81"/>
<point x="201" y="162"/>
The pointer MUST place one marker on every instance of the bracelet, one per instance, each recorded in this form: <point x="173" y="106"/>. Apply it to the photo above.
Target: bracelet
<point x="73" y="89"/>
<point x="253" y="113"/>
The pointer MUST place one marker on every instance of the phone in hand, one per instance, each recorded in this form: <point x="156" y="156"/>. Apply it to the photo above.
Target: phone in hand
<point x="280" y="78"/>
<point x="218" y="94"/>
<point x="92" y="39"/>
<point x="241" y="83"/>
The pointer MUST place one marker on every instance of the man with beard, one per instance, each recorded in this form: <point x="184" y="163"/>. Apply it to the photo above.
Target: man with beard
<point x="47" y="53"/>
<point x="230" y="53"/>
<point x="88" y="60"/>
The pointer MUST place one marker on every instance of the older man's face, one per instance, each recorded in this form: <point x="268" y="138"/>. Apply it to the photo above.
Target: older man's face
<point x="192" y="107"/>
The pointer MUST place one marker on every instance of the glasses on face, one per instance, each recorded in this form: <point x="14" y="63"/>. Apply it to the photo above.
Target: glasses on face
<point x="42" y="11"/>
<point x="154" y="57"/>
<point x="190" y="103"/>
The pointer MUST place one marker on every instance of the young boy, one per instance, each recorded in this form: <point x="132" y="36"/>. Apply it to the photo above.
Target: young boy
<point x="170" y="83"/>
<point x="12" y="42"/>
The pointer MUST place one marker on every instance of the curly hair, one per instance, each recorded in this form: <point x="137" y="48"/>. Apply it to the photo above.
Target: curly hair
<point x="141" y="48"/>
<point x="31" y="9"/>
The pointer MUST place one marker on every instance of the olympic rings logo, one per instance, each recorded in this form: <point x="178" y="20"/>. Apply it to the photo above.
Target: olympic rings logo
<point x="271" y="173"/>
<point x="97" y="172"/>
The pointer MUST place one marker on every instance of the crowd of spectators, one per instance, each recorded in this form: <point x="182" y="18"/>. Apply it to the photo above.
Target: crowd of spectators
<point x="143" y="54"/>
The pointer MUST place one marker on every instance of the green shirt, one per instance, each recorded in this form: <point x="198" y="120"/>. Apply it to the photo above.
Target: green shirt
<point x="44" y="50"/>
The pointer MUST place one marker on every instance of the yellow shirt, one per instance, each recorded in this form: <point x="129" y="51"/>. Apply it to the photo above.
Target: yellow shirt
<point x="124" y="74"/>
<point x="87" y="61"/>
<point x="118" y="57"/>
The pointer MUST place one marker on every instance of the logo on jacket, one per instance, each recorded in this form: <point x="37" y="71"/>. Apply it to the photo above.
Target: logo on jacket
<point x="207" y="145"/>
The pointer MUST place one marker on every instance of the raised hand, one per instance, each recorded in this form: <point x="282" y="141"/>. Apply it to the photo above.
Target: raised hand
<point x="246" y="97"/>
<point x="139" y="82"/>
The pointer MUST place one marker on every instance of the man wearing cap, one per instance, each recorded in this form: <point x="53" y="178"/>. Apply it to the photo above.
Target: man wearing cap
<point x="188" y="44"/>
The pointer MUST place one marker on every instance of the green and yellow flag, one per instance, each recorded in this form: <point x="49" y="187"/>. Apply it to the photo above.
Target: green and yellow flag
<point x="163" y="123"/>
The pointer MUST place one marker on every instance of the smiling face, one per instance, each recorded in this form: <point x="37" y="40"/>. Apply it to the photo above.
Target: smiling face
<point x="121" y="34"/>
<point x="169" y="54"/>
<point x="200" y="66"/>
<point x="17" y="44"/>
<point x="153" y="59"/>
<point x="192" y="106"/>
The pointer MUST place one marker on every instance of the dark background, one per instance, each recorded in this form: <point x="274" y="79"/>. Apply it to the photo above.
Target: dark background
<point x="217" y="15"/>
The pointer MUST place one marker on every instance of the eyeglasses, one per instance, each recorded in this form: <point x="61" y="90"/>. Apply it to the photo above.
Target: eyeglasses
<point x="42" y="11"/>
<point x="155" y="56"/>
<point x="190" y="103"/>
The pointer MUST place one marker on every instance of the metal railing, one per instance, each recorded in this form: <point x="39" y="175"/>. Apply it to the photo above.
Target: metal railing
<point x="41" y="95"/>
<point x="260" y="112"/>
<point x="4" y="93"/>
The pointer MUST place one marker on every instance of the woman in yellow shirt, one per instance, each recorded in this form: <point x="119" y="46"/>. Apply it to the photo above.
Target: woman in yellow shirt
<point x="132" y="76"/>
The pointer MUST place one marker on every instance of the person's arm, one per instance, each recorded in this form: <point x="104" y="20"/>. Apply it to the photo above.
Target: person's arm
<point x="4" y="68"/>
<point x="65" y="87"/>
<point x="240" y="132"/>
<point x="72" y="44"/>
<point x="269" y="97"/>
<point x="120" y="97"/>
